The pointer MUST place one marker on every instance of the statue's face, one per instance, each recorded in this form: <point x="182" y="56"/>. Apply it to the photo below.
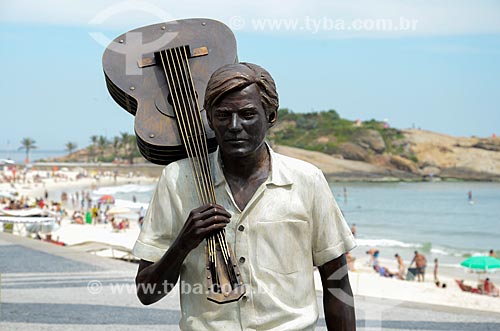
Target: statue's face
<point x="239" y="122"/>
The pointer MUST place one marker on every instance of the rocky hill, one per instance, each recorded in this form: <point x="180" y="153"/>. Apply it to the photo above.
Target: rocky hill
<point x="347" y="150"/>
<point x="436" y="156"/>
<point x="445" y="156"/>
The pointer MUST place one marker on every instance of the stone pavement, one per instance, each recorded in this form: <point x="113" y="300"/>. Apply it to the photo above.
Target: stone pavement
<point x="47" y="287"/>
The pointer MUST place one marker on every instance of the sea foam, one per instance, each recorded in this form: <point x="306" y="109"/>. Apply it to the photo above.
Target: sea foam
<point x="129" y="188"/>
<point x="385" y="243"/>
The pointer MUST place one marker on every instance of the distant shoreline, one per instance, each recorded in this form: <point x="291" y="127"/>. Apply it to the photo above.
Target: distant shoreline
<point x="154" y="170"/>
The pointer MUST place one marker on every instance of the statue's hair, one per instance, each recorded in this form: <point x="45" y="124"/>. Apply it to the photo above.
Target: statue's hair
<point x="233" y="77"/>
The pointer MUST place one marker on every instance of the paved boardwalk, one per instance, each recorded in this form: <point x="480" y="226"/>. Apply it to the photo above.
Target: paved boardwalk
<point x="46" y="287"/>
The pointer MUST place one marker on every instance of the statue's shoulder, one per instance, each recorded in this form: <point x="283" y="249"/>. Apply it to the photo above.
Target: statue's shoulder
<point x="295" y="167"/>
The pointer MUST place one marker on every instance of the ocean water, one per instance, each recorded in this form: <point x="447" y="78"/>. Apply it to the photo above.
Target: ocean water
<point x="435" y="218"/>
<point x="126" y="193"/>
<point x="36" y="154"/>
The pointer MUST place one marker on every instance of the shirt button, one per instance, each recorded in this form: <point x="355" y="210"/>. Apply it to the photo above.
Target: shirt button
<point x="241" y="228"/>
<point x="245" y="298"/>
<point x="242" y="260"/>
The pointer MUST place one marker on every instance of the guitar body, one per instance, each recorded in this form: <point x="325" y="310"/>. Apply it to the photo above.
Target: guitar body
<point x="136" y="79"/>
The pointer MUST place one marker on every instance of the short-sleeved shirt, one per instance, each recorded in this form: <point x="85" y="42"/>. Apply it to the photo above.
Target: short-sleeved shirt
<point x="291" y="224"/>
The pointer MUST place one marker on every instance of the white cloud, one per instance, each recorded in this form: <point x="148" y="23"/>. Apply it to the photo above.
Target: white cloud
<point x="433" y="17"/>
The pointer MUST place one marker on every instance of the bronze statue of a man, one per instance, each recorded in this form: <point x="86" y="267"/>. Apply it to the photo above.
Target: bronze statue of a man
<point x="279" y="214"/>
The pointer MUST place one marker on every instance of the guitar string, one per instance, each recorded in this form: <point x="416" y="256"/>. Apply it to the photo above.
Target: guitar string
<point x="200" y="128"/>
<point x="182" y="127"/>
<point x="201" y="138"/>
<point x="201" y="125"/>
<point x="197" y="134"/>
<point x="173" y="104"/>
<point x="220" y="234"/>
<point x="221" y="237"/>
<point x="195" y="138"/>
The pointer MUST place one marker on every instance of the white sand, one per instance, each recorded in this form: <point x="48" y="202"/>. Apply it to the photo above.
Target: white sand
<point x="73" y="234"/>
<point x="364" y="281"/>
<point x="69" y="182"/>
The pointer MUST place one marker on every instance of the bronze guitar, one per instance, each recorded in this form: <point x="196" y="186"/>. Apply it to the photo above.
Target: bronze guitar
<point x="136" y="79"/>
<point x="159" y="74"/>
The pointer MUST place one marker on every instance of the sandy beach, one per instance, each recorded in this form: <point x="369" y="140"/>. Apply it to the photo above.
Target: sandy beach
<point x="102" y="239"/>
<point x="68" y="181"/>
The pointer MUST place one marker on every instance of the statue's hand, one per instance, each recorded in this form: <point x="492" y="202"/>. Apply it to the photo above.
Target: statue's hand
<point x="200" y="223"/>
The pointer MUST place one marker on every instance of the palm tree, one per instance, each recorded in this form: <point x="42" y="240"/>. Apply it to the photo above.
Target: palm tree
<point x="27" y="144"/>
<point x="90" y="153"/>
<point x="70" y="147"/>
<point x="128" y="143"/>
<point x="91" y="148"/>
<point x="116" y="145"/>
<point x="102" y="142"/>
<point x="94" y="139"/>
<point x="124" y="142"/>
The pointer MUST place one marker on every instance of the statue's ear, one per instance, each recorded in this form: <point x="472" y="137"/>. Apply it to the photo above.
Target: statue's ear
<point x="272" y="118"/>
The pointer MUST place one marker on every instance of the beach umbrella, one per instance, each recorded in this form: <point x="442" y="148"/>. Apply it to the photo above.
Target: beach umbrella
<point x="481" y="263"/>
<point x="119" y="210"/>
<point x="107" y="199"/>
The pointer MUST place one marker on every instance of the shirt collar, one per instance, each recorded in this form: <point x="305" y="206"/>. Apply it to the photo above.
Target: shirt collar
<point x="279" y="176"/>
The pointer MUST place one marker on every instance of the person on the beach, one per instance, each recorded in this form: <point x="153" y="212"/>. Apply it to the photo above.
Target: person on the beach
<point x="383" y="271"/>
<point x="436" y="266"/>
<point x="420" y="262"/>
<point x="492" y="253"/>
<point x="489" y="288"/>
<point x="278" y="213"/>
<point x="374" y="253"/>
<point x="401" y="266"/>
<point x="95" y="214"/>
<point x="466" y="288"/>
<point x="89" y="200"/>
<point x="350" y="261"/>
<point x="353" y="229"/>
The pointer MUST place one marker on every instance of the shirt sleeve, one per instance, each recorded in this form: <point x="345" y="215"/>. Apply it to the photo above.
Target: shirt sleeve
<point x="157" y="229"/>
<point x="331" y="234"/>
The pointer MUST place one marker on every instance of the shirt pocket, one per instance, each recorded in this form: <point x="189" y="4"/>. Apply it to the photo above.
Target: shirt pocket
<point x="283" y="246"/>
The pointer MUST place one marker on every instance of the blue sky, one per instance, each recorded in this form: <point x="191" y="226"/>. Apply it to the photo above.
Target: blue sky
<point x="443" y="75"/>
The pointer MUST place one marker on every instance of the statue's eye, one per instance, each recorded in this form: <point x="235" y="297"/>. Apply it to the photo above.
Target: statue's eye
<point x="248" y="114"/>
<point x="222" y="114"/>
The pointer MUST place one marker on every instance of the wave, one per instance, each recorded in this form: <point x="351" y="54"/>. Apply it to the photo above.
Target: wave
<point x="441" y="251"/>
<point x="385" y="243"/>
<point x="130" y="204"/>
<point x="424" y="247"/>
<point x="129" y="188"/>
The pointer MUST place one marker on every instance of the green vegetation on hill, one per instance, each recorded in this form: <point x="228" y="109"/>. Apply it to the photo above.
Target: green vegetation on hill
<point x="326" y="131"/>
